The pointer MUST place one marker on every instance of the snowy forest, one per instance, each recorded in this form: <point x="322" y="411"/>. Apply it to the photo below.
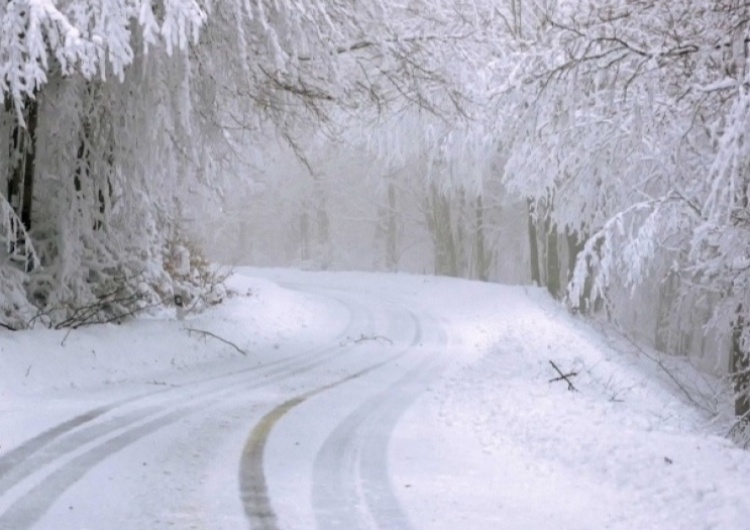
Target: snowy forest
<point x="593" y="147"/>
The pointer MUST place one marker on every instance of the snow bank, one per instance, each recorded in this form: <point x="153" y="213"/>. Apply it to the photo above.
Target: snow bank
<point x="625" y="450"/>
<point x="259" y="316"/>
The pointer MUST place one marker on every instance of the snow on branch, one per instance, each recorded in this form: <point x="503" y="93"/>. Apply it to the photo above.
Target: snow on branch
<point x="85" y="36"/>
<point x="182" y="23"/>
<point x="628" y="240"/>
<point x="726" y="83"/>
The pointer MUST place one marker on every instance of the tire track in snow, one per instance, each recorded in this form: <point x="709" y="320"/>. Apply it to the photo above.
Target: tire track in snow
<point x="24" y="512"/>
<point x="57" y="449"/>
<point x="27" y="449"/>
<point x="253" y="486"/>
<point x="58" y="445"/>
<point x="38" y="442"/>
<point x="351" y="482"/>
<point x="67" y="437"/>
<point x="21" y="455"/>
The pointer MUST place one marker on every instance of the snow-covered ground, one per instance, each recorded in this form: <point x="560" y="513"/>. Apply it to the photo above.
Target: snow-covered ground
<point x="352" y="400"/>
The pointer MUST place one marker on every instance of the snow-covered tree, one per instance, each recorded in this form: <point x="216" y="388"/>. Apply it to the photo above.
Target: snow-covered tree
<point x="121" y="113"/>
<point x="635" y="124"/>
<point x="85" y="84"/>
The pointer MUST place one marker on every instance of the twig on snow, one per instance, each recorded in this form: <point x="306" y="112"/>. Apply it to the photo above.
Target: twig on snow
<point x="564" y="377"/>
<point x="213" y="335"/>
<point x="675" y="380"/>
<point x="62" y="342"/>
<point x="364" y="338"/>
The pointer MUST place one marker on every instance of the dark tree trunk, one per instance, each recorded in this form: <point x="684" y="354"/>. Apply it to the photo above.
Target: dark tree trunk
<point x="30" y="163"/>
<point x="21" y="173"/>
<point x="15" y="169"/>
<point x="536" y="273"/>
<point x="740" y="356"/>
<point x="740" y="368"/>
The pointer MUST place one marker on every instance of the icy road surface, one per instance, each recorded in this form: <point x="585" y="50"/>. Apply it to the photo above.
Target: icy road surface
<point x="357" y="402"/>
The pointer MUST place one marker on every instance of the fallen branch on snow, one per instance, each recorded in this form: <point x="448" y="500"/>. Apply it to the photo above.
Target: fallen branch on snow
<point x="681" y="385"/>
<point x="214" y="336"/>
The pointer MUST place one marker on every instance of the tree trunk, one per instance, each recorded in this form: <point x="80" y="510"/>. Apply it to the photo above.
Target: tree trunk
<point x="463" y="256"/>
<point x="21" y="175"/>
<point x="740" y="368"/>
<point x="391" y="240"/>
<point x="575" y="246"/>
<point x="585" y="304"/>
<point x="553" y="259"/>
<point x="438" y="213"/>
<point x="245" y="250"/>
<point x="740" y="356"/>
<point x="536" y="274"/>
<point x="95" y="162"/>
<point x="304" y="233"/>
<point x="323" y="224"/>
<point x="482" y="262"/>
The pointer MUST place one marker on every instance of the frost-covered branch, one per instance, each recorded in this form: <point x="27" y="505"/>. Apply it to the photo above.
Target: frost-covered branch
<point x="90" y="37"/>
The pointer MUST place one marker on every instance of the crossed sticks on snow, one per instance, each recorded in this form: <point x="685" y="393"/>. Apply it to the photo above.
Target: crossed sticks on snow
<point x="564" y="377"/>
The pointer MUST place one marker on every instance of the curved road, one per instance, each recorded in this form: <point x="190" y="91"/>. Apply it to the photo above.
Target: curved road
<point x="300" y="442"/>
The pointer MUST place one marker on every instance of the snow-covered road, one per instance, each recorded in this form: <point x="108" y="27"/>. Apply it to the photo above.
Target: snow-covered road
<point x="262" y="434"/>
<point x="321" y="455"/>
<point x="363" y="402"/>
